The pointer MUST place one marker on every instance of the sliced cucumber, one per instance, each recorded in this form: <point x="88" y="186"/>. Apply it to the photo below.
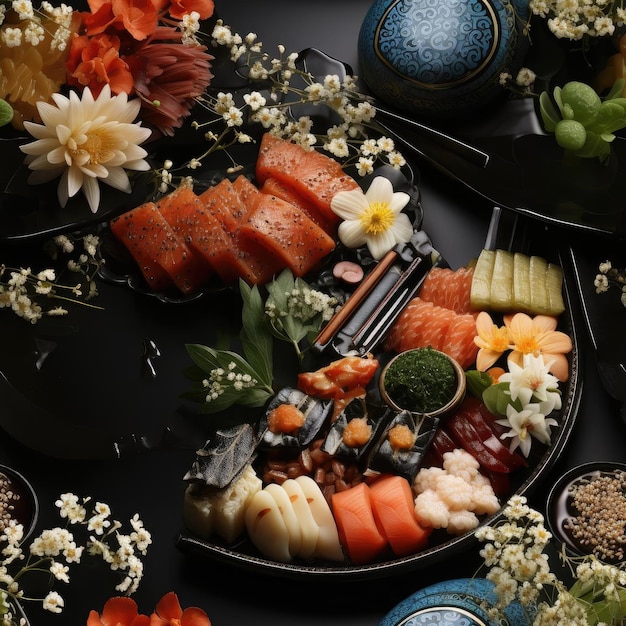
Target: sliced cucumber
<point x="508" y="282"/>
<point x="554" y="286"/>
<point x="480" y="292"/>
<point x="539" y="303"/>
<point x="501" y="290"/>
<point x="521" y="282"/>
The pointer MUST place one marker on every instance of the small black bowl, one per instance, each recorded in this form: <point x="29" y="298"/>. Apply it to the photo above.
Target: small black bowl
<point x="21" y="498"/>
<point x="559" y="505"/>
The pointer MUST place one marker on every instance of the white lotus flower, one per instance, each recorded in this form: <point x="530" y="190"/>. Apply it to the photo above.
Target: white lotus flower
<point x="84" y="141"/>
<point x="373" y="218"/>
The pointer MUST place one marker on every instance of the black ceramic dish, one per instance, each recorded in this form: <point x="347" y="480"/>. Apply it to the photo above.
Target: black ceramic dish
<point x="559" y="508"/>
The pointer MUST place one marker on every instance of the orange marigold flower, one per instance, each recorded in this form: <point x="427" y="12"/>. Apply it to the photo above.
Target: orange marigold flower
<point x="169" y="77"/>
<point x="137" y="17"/>
<point x="179" y="8"/>
<point x="118" y="611"/>
<point x="538" y="335"/>
<point x="170" y="613"/>
<point x="95" y="61"/>
<point x="492" y="341"/>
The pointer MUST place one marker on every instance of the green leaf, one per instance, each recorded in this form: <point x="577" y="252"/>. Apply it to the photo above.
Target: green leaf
<point x="6" y="112"/>
<point x="617" y="90"/>
<point x="549" y="113"/>
<point x="497" y="397"/>
<point x="477" y="382"/>
<point x="256" y="338"/>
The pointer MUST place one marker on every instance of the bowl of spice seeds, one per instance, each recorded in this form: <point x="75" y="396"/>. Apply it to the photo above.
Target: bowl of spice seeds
<point x="586" y="510"/>
<point x="18" y="501"/>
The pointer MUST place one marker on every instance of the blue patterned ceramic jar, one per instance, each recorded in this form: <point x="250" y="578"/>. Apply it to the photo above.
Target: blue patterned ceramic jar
<point x="441" y="57"/>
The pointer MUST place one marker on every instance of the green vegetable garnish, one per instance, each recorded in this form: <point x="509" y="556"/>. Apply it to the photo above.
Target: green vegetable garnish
<point x="584" y="123"/>
<point x="421" y="380"/>
<point x="6" y="112"/>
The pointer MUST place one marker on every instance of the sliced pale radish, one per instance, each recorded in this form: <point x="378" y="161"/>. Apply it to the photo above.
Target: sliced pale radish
<point x="266" y="528"/>
<point x="289" y="516"/>
<point x="328" y="545"/>
<point x="309" y="527"/>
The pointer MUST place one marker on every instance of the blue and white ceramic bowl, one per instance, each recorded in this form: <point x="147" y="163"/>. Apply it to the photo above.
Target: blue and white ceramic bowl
<point x="441" y="57"/>
<point x="458" y="602"/>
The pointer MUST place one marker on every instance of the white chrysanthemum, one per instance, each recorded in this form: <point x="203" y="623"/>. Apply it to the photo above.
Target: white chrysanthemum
<point x="373" y="218"/>
<point x="85" y="140"/>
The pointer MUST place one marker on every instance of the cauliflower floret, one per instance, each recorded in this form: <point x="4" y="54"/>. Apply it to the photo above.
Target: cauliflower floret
<point x="461" y="463"/>
<point x="480" y="480"/>
<point x="431" y="510"/>
<point x="454" y="491"/>
<point x="460" y="522"/>
<point x="426" y="478"/>
<point x="484" y="500"/>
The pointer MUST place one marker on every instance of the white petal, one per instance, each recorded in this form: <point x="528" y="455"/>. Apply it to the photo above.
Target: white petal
<point x="398" y="201"/>
<point x="40" y="146"/>
<point x="380" y="244"/>
<point x="139" y="165"/>
<point x="402" y="228"/>
<point x="91" y="191"/>
<point x="349" y="205"/>
<point x="74" y="177"/>
<point x="351" y="234"/>
<point x="118" y="179"/>
<point x="380" y="190"/>
<point x="62" y="189"/>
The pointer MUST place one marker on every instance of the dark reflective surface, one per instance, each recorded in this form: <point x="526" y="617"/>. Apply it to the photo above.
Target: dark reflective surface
<point x="150" y="482"/>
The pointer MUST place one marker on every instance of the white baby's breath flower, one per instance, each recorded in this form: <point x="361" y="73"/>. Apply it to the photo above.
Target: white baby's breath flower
<point x="53" y="602"/>
<point x="86" y="140"/>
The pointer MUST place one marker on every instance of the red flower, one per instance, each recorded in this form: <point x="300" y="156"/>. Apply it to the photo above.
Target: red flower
<point x="204" y="8"/>
<point x="138" y="17"/>
<point x="170" y="613"/>
<point x="119" y="611"/>
<point x="95" y="61"/>
<point x="169" y="77"/>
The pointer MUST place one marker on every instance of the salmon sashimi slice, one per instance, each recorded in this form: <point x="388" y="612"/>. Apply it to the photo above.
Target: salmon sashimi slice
<point x="316" y="176"/>
<point x="179" y="208"/>
<point x="224" y="203"/>
<point x="153" y="244"/>
<point x="448" y="288"/>
<point x="275" y="187"/>
<point x="287" y="233"/>
<point x="422" y="324"/>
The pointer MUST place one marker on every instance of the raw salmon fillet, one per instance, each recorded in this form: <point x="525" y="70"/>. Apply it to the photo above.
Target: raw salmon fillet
<point x="313" y="175"/>
<point x="422" y="324"/>
<point x="449" y="288"/>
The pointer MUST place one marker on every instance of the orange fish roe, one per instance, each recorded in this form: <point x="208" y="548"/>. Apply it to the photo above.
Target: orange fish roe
<point x="357" y="432"/>
<point x="401" y="437"/>
<point x="285" y="418"/>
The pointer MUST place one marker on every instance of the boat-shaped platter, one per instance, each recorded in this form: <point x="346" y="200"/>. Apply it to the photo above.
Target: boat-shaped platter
<point x="244" y="554"/>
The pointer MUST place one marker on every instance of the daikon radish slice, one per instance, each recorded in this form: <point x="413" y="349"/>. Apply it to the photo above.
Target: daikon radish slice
<point x="328" y="545"/>
<point x="289" y="516"/>
<point x="309" y="527"/>
<point x="266" y="527"/>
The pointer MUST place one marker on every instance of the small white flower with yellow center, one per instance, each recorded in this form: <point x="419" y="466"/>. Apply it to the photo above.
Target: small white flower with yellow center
<point x="374" y="218"/>
<point x="85" y="140"/>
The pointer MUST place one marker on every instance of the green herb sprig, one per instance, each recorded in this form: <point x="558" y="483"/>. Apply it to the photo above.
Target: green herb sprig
<point x="292" y="312"/>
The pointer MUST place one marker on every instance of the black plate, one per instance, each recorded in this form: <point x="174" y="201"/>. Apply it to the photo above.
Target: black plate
<point x="243" y="554"/>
